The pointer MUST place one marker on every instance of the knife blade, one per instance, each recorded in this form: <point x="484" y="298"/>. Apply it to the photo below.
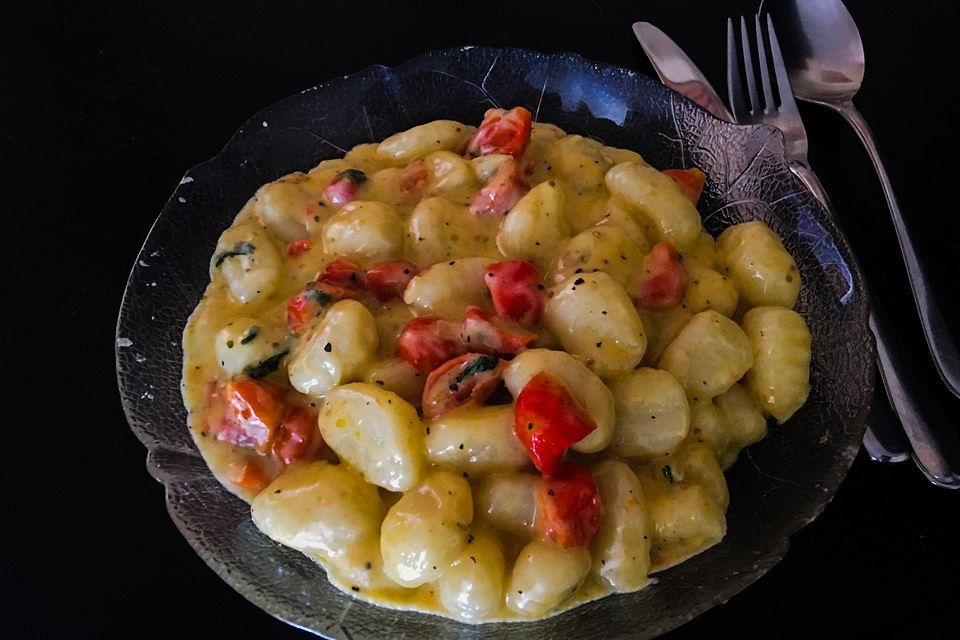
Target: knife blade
<point x="677" y="71"/>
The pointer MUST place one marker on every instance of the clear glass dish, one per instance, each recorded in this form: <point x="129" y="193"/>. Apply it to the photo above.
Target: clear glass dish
<point x="777" y="486"/>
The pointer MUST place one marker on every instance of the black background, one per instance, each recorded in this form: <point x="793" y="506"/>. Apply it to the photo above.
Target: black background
<point x="105" y="105"/>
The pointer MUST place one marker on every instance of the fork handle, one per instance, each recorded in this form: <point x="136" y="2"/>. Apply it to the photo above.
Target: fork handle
<point x="933" y="307"/>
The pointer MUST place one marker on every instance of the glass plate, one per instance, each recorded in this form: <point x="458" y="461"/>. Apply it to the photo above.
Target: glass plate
<point x="777" y="486"/>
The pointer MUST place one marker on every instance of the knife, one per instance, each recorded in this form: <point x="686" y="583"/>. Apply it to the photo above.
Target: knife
<point x="884" y="439"/>
<point x="677" y="71"/>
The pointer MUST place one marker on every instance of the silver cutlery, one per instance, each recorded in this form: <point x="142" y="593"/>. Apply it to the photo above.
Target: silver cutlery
<point x="935" y="447"/>
<point x="826" y="67"/>
<point x="677" y="71"/>
<point x="884" y="439"/>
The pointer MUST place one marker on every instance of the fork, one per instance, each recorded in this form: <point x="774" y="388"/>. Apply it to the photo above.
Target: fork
<point x="925" y="427"/>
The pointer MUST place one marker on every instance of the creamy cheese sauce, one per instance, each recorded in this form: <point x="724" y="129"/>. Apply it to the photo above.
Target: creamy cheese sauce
<point x="683" y="393"/>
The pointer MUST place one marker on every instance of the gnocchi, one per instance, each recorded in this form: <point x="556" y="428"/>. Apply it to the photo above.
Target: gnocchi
<point x="490" y="373"/>
<point x="780" y="377"/>
<point x="658" y="198"/>
<point x="377" y="432"/>
<point x="764" y="271"/>
<point x="426" y="529"/>
<point x="594" y="319"/>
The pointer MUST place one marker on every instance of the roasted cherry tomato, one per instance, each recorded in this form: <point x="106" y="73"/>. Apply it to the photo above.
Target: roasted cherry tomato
<point x="469" y="378"/>
<point x="344" y="187"/>
<point x="515" y="287"/>
<point x="298" y="437"/>
<point x="568" y="507"/>
<point x="310" y="302"/>
<point x="502" y="191"/>
<point x="343" y="273"/>
<point x="428" y="341"/>
<point x="548" y="420"/>
<point x="247" y="475"/>
<point x="299" y="247"/>
<point x="246" y="413"/>
<point x="690" y="181"/>
<point x="414" y="177"/>
<point x="663" y="281"/>
<point x="479" y="333"/>
<point x="501" y="131"/>
<point x="390" y="279"/>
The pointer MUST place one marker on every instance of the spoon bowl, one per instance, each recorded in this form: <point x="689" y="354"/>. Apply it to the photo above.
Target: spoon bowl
<point x="823" y="52"/>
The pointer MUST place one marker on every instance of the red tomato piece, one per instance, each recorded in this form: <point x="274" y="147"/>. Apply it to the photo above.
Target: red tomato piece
<point x="515" y="287"/>
<point x="246" y="413"/>
<point x="299" y="247"/>
<point x="428" y="341"/>
<point x="504" y="189"/>
<point x="479" y="333"/>
<point x="466" y="379"/>
<point x="502" y="131"/>
<point x="310" y="301"/>
<point x="344" y="187"/>
<point x="390" y="279"/>
<point x="343" y="273"/>
<point x="548" y="420"/>
<point x="663" y="281"/>
<point x="247" y="475"/>
<point x="690" y="181"/>
<point x="298" y="437"/>
<point x="414" y="177"/>
<point x="568" y="507"/>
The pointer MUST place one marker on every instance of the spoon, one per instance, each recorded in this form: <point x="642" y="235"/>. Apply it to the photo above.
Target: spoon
<point x="824" y="57"/>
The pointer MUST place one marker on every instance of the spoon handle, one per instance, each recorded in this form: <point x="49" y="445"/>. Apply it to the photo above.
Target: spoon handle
<point x="933" y="307"/>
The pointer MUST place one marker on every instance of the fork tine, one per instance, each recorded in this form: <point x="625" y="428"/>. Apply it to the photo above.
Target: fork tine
<point x="769" y="105"/>
<point x="787" y="101"/>
<point x="735" y="95"/>
<point x="748" y="65"/>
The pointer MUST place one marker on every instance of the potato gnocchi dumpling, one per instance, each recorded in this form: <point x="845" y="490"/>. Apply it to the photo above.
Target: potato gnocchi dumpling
<point x="246" y="343"/>
<point x="594" y="319"/>
<point x="375" y="431"/>
<point x="285" y="206"/>
<point x="426" y="529"/>
<point x="490" y="373"/>
<point x="621" y="550"/>
<point x="365" y="230"/>
<point x="247" y="262"/>
<point x="708" y="355"/>
<point x="472" y="586"/>
<point x="764" y="271"/>
<point x="335" y="351"/>
<point x="440" y="231"/>
<point x="418" y="141"/>
<point x="475" y="440"/>
<point x="447" y="288"/>
<point x="508" y="501"/>
<point x="780" y="377"/>
<point x="659" y="199"/>
<point x="544" y="576"/>
<point x="604" y="248"/>
<point x="535" y="226"/>
<point x="653" y="416"/>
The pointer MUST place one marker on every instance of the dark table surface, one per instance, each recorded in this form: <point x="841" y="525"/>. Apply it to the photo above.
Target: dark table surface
<point x="105" y="105"/>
